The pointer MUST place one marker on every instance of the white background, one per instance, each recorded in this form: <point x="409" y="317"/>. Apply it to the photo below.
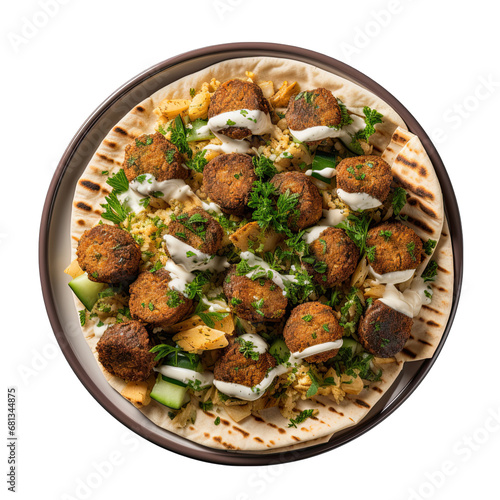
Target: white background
<point x="435" y="57"/>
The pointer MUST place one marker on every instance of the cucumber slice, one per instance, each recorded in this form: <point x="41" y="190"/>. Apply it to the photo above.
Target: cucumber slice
<point x="321" y="161"/>
<point x="194" y="134"/>
<point x="169" y="394"/>
<point x="280" y="351"/>
<point x="173" y="381"/>
<point x="351" y="344"/>
<point x="87" y="291"/>
<point x="183" y="361"/>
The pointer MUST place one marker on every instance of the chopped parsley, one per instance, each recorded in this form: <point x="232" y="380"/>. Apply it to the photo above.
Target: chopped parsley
<point x="207" y="405"/>
<point x="258" y="305"/>
<point x="83" y="316"/>
<point x="230" y="123"/>
<point x="178" y="136"/>
<point x="169" y="155"/>
<point x="372" y="117"/>
<point x="209" y="318"/>
<point x="235" y="301"/>
<point x="429" y="246"/>
<point x="217" y="421"/>
<point x="174" y="298"/>
<point x="398" y="200"/>
<point x="385" y="342"/>
<point x="323" y="244"/>
<point x="386" y="235"/>
<point x="263" y="166"/>
<point x="370" y="253"/>
<point x="411" y="250"/>
<point x="325" y="327"/>
<point x="192" y="92"/>
<point x="199" y="162"/>
<point x="356" y="227"/>
<point x="151" y="306"/>
<point x="247" y="348"/>
<point x="114" y="211"/>
<point x="308" y="97"/>
<point x="307" y="317"/>
<point x="430" y="272"/>
<point x="303" y="415"/>
<point x="163" y="350"/>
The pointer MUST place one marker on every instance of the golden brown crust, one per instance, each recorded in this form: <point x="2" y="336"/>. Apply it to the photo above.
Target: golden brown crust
<point x="108" y="254"/>
<point x="272" y="303"/>
<point x="399" y="251"/>
<point x="228" y="181"/>
<point x="234" y="95"/>
<point x="372" y="175"/>
<point x="123" y="350"/>
<point x="149" y="297"/>
<point x="310" y="205"/>
<point x="383" y="331"/>
<point x="212" y="240"/>
<point x="312" y="108"/>
<point x="234" y="367"/>
<point x="302" y="330"/>
<point x="338" y="252"/>
<point x="153" y="154"/>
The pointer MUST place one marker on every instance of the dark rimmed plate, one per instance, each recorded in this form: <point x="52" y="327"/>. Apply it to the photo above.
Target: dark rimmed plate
<point x="54" y="248"/>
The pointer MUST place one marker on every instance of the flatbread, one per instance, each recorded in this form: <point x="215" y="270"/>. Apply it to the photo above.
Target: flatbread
<point x="269" y="431"/>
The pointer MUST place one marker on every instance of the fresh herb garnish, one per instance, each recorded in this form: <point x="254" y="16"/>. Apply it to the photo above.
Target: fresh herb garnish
<point x="398" y="200"/>
<point x="386" y="235"/>
<point x="258" y="305"/>
<point x="247" y="348"/>
<point x="429" y="246"/>
<point x="430" y="272"/>
<point x="178" y="136"/>
<point x="356" y="227"/>
<point x="174" y="298"/>
<point x="118" y="182"/>
<point x="411" y="250"/>
<point x="303" y="415"/>
<point x="307" y="317"/>
<point x="83" y="316"/>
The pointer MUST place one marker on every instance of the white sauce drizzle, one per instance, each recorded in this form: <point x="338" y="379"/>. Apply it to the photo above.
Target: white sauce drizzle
<point x="259" y="344"/>
<point x="179" y="277"/>
<point x="314" y="233"/>
<point x="179" y="250"/>
<point x="358" y="201"/>
<point x="211" y="206"/>
<point x="318" y="349"/>
<point x="185" y="375"/>
<point x="330" y="218"/>
<point x="99" y="330"/>
<point x="410" y="301"/>
<point x="393" y="277"/>
<point x="277" y="278"/>
<point x="319" y="133"/>
<point x="328" y="173"/>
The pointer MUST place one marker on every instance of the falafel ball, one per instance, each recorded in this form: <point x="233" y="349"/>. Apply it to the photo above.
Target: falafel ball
<point x="228" y="181"/>
<point x="108" y="254"/>
<point x="153" y="154"/>
<point x="382" y="331"/>
<point x="309" y="208"/>
<point x="397" y="247"/>
<point x="336" y="257"/>
<point x="203" y="233"/>
<point x="235" y="95"/>
<point x="123" y="350"/>
<point x="154" y="302"/>
<point x="310" y="324"/>
<point x="313" y="108"/>
<point x="234" y="367"/>
<point x="365" y="174"/>
<point x="254" y="300"/>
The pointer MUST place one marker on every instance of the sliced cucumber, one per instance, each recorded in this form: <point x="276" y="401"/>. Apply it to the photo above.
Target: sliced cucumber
<point x="351" y="344"/>
<point x="87" y="291"/>
<point x="320" y="162"/>
<point x="195" y="134"/>
<point x="182" y="361"/>
<point x="169" y="394"/>
<point x="280" y="351"/>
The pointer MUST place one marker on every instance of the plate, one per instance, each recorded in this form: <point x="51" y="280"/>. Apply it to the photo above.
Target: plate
<point x="55" y="249"/>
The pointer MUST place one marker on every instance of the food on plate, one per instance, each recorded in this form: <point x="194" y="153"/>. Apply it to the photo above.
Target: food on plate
<point x="153" y="154"/>
<point x="236" y="108"/>
<point x="197" y="229"/>
<point x="313" y="328"/>
<point x="125" y="351"/>
<point x="335" y="257"/>
<point x="395" y="248"/>
<point x="249" y="293"/>
<point x="309" y="207"/>
<point x="254" y="300"/>
<point x="363" y="181"/>
<point x="108" y="254"/>
<point x="154" y="301"/>
<point x="228" y="180"/>
<point x="383" y="331"/>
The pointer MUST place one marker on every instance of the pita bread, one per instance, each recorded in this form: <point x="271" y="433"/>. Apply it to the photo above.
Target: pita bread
<point x="269" y="430"/>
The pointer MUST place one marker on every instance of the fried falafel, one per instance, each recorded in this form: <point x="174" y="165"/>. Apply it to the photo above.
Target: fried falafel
<point x="234" y="367"/>
<point x="153" y="154"/>
<point x="310" y="324"/>
<point x="313" y="108"/>
<point x="108" y="254"/>
<point x="365" y="174"/>
<point x="236" y="95"/>
<point x="228" y="181"/>
<point x="309" y="207"/>
<point x="124" y="351"/>
<point x="202" y="232"/>
<point x="336" y="257"/>
<point x="397" y="247"/>
<point x="383" y="331"/>
<point x="154" y="302"/>
<point x="254" y="300"/>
